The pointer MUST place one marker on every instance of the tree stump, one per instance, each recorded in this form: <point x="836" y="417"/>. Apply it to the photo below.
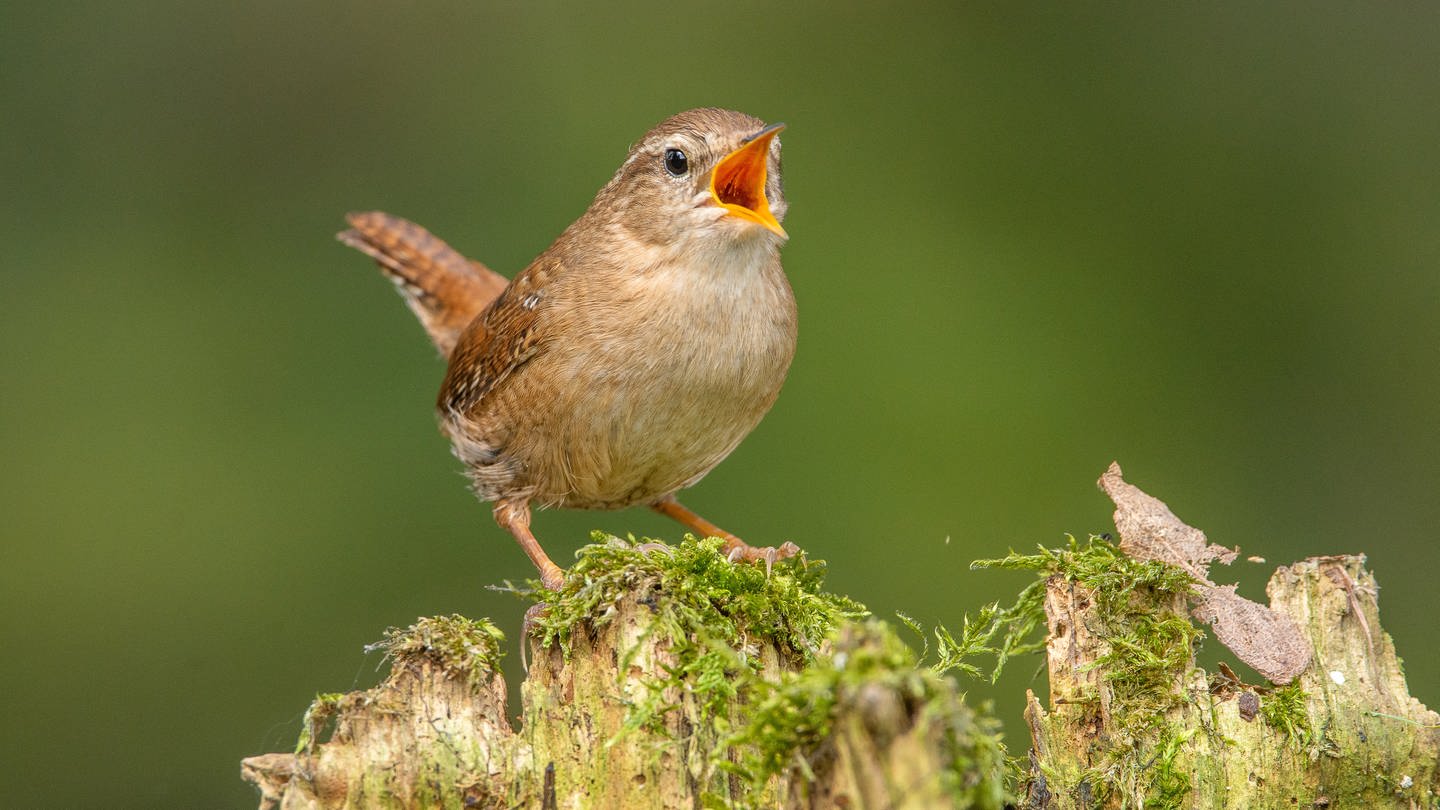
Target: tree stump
<point x="1134" y="723"/>
<point x="670" y="677"/>
<point x="659" y="678"/>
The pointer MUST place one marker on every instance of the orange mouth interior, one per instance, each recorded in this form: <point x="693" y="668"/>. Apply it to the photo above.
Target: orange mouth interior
<point x="738" y="181"/>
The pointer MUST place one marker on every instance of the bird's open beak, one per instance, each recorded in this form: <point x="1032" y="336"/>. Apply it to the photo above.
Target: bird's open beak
<point x="738" y="181"/>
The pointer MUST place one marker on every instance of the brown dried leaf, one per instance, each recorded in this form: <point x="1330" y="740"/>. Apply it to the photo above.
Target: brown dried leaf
<point x="1150" y="531"/>
<point x="1269" y="642"/>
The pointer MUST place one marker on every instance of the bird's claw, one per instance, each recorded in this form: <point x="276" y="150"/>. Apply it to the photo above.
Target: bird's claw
<point x="767" y="554"/>
<point x="646" y="548"/>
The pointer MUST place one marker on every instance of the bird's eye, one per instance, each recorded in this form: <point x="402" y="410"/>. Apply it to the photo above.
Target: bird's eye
<point x="676" y="163"/>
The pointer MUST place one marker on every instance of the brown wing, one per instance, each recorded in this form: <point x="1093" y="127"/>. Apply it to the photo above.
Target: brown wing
<point x="497" y="342"/>
<point x="443" y="288"/>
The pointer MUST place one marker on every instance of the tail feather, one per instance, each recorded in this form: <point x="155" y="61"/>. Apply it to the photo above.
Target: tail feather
<point x="444" y="289"/>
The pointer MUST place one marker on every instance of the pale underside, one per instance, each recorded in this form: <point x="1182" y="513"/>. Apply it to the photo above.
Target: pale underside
<point x="654" y="383"/>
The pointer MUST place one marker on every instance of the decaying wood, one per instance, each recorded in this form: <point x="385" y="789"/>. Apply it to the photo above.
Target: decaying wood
<point x="855" y="722"/>
<point x="1345" y="734"/>
<point x="435" y="734"/>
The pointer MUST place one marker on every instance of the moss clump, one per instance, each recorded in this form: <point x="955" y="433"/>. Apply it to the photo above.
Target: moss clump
<point x="777" y="729"/>
<point x="1016" y="625"/>
<point x="705" y="606"/>
<point x="785" y="717"/>
<point x="1285" y="709"/>
<point x="459" y="644"/>
<point x="784" y="603"/>
<point x="795" y="713"/>
<point x="791" y="718"/>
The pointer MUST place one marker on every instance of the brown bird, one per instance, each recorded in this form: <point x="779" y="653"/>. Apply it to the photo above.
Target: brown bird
<point x="633" y="354"/>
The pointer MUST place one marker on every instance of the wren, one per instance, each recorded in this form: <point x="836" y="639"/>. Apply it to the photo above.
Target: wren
<point x="635" y="353"/>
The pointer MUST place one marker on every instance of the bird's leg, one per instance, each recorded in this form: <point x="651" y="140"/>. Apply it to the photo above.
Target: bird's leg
<point x="733" y="546"/>
<point x="514" y="517"/>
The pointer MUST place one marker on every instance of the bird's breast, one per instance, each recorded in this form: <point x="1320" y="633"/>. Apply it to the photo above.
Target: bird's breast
<point x="668" y="369"/>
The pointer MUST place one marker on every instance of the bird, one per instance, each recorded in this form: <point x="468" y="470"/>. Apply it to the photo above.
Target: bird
<point x="630" y="357"/>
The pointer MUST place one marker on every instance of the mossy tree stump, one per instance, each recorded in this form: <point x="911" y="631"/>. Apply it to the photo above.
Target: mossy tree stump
<point x="1133" y="722"/>
<point x="670" y="677"/>
<point x="659" y="678"/>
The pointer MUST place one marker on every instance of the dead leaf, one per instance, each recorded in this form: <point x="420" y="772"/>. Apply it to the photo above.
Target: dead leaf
<point x="1150" y="531"/>
<point x="1269" y="642"/>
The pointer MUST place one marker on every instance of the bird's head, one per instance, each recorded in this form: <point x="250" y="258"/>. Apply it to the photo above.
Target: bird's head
<point x="710" y="175"/>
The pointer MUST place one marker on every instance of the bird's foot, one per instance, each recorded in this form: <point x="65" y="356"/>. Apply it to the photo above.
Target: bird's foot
<point x="552" y="577"/>
<point x="737" y="550"/>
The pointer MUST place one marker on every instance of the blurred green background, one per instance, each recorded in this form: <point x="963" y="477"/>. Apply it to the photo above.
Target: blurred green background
<point x="1026" y="240"/>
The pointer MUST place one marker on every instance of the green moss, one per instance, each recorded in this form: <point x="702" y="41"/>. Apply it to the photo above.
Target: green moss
<point x="460" y="644"/>
<point x="713" y="616"/>
<point x="1285" y="710"/>
<point x="785" y="603"/>
<point x="795" y="713"/>
<point x="791" y="717"/>
<point x="980" y="770"/>
<point x="785" y="717"/>
<point x="1167" y="780"/>
<point x="1098" y="565"/>
<point x="1150" y="645"/>
<point x="1150" y="642"/>
<point x="1017" y="626"/>
<point x="321" y="711"/>
<point x="1102" y="567"/>
<point x="1149" y="655"/>
<point x="703" y="605"/>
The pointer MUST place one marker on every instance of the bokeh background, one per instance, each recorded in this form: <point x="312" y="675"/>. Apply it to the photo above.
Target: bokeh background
<point x="1026" y="240"/>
